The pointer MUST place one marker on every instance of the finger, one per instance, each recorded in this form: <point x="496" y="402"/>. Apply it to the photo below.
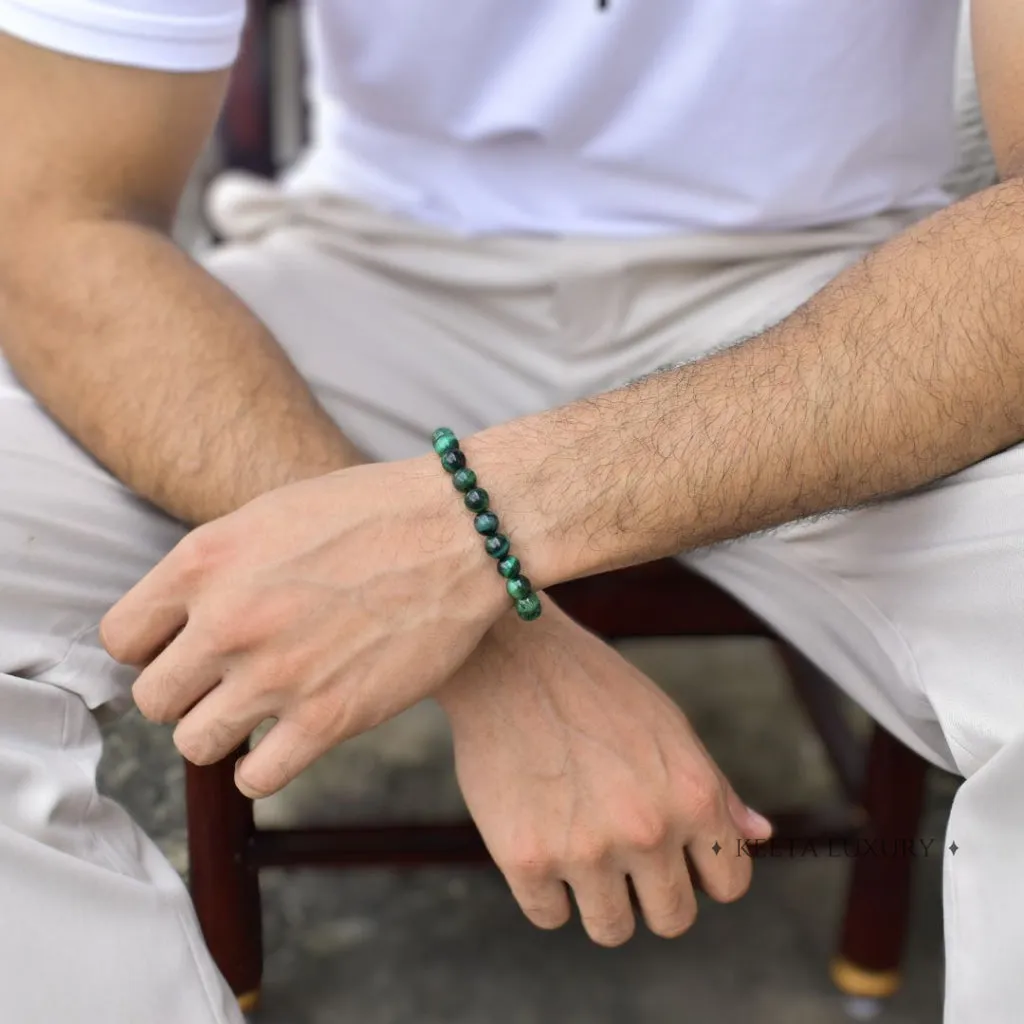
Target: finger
<point x="134" y="632"/>
<point x="749" y="823"/>
<point x="664" y="890"/>
<point x="603" y="900"/>
<point x="177" y="678"/>
<point x="544" y="901"/>
<point x="221" y="721"/>
<point x="718" y="856"/>
<point x="148" y="616"/>
<point x="288" y="748"/>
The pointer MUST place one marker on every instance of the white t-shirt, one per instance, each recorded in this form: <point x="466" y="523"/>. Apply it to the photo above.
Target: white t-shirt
<point x="555" y="116"/>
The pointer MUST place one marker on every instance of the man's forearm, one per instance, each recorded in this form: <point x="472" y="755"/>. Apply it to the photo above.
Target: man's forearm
<point x="908" y="367"/>
<point x="157" y="369"/>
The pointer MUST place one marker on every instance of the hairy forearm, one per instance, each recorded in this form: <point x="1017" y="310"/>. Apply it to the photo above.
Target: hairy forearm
<point x="157" y="369"/>
<point x="908" y="367"/>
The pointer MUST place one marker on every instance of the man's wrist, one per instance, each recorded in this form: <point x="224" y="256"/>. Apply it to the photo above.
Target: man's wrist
<point x="447" y="526"/>
<point x="511" y="654"/>
<point x="570" y="506"/>
<point x="519" y="468"/>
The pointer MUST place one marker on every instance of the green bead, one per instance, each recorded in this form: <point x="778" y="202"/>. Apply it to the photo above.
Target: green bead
<point x="518" y="587"/>
<point x="509" y="567"/>
<point x="453" y="460"/>
<point x="487" y="524"/>
<point x="464" y="480"/>
<point x="444" y="440"/>
<point x="477" y="500"/>
<point x="497" y="545"/>
<point x="448" y="443"/>
<point x="528" y="608"/>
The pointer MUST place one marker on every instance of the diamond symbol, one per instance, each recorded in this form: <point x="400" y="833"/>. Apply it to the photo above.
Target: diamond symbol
<point x="953" y="848"/>
<point x="716" y="848"/>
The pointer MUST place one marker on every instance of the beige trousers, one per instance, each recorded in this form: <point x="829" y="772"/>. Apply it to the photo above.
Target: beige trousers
<point x="914" y="607"/>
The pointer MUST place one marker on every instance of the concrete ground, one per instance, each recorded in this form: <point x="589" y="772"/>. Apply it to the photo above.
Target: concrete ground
<point x="450" y="946"/>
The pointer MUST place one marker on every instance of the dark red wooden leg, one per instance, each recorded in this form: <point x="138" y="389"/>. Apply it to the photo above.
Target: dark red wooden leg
<point x="225" y="888"/>
<point x="821" y="701"/>
<point x="246" y="129"/>
<point x="878" y="905"/>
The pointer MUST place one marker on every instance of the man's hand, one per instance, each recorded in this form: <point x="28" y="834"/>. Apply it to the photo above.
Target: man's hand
<point x="329" y="605"/>
<point x="578" y="770"/>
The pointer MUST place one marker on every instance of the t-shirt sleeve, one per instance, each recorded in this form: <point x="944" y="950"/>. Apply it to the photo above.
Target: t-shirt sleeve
<point x="165" y="35"/>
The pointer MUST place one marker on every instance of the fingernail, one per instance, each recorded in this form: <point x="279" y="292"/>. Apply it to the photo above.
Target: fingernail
<point x="759" y="825"/>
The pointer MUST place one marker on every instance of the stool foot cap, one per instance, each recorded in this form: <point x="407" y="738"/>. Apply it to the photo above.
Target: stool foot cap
<point x="852" y="980"/>
<point x="248" y="1001"/>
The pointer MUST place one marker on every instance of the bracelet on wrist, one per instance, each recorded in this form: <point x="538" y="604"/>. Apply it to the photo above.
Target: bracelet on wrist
<point x="487" y="524"/>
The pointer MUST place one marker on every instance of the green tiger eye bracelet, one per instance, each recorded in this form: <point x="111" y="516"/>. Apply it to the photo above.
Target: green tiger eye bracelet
<point x="486" y="523"/>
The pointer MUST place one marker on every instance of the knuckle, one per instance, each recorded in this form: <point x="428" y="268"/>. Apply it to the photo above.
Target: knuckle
<point x="200" y="550"/>
<point x="531" y="863"/>
<point x="546" y="917"/>
<point x="246" y="621"/>
<point x="151" y="703"/>
<point x="646" y="832"/>
<point x="114" y="637"/>
<point x="163" y="694"/>
<point x="265" y="781"/>
<point x="225" y="629"/>
<point x="282" y="668"/>
<point x="676" y="923"/>
<point x="703" y="798"/>
<point x="611" y="931"/>
<point x="590" y="854"/>
<point x="727" y="888"/>
<point x="257" y="618"/>
<point x="214" y="742"/>
<point x="316" y="726"/>
<point x="192" y="748"/>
